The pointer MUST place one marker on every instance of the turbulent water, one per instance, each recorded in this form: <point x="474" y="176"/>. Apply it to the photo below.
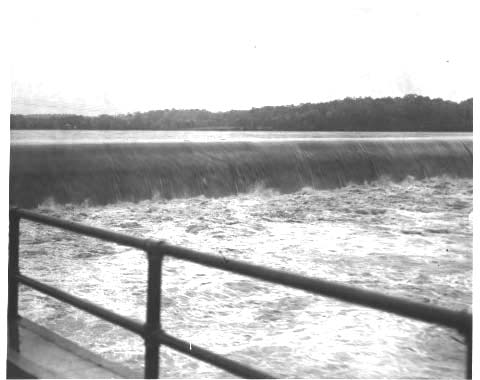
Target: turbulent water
<point x="410" y="237"/>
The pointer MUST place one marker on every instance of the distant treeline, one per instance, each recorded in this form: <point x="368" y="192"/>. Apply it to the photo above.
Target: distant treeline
<point x="410" y="113"/>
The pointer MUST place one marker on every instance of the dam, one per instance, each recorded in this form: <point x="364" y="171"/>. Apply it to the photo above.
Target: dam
<point x="383" y="212"/>
<point x="112" y="171"/>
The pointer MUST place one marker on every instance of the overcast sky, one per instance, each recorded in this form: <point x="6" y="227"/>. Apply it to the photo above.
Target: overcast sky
<point x="92" y="57"/>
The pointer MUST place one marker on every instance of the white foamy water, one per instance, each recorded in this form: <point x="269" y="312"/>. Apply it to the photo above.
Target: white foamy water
<point x="411" y="239"/>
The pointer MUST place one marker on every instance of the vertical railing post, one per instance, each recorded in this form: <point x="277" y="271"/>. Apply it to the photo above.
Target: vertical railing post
<point x="13" y="271"/>
<point x="468" y="341"/>
<point x="152" y="348"/>
<point x="465" y="327"/>
<point x="469" y="357"/>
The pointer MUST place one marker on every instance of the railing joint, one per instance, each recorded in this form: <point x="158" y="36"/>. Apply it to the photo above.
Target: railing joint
<point x="154" y="247"/>
<point x="149" y="332"/>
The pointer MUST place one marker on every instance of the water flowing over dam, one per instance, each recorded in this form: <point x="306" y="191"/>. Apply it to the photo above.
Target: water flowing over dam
<point x="107" y="173"/>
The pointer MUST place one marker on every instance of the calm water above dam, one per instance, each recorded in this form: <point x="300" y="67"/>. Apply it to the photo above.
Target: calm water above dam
<point x="399" y="223"/>
<point x="100" y="137"/>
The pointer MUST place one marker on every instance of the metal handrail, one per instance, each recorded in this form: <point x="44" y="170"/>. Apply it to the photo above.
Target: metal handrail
<point x="151" y="330"/>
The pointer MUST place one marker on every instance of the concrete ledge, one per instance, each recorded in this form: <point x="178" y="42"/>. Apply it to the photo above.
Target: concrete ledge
<point x="19" y="367"/>
<point x="44" y="354"/>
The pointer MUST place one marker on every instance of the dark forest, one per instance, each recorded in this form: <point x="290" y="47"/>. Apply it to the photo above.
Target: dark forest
<point x="409" y="113"/>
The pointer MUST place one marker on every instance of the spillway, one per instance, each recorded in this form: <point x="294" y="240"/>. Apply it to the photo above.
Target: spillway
<point x="112" y="172"/>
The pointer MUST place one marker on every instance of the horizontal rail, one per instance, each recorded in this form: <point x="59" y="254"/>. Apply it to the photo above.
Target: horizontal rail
<point x="83" y="229"/>
<point x="400" y="306"/>
<point x="127" y="323"/>
<point x="219" y="361"/>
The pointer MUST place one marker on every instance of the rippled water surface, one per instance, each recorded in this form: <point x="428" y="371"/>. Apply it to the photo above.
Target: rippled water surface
<point x="411" y="239"/>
